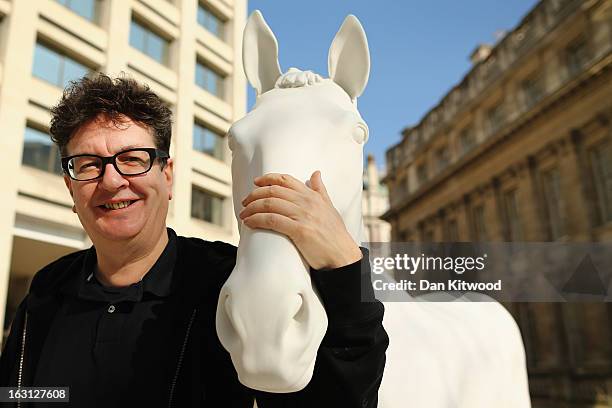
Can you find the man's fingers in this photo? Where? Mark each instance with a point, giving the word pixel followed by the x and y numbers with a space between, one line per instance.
pixel 316 182
pixel 271 205
pixel 284 180
pixel 274 222
pixel 273 190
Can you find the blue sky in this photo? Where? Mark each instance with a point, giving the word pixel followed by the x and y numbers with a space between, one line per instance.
pixel 418 50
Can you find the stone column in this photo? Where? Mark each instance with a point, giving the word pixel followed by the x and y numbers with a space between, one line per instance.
pixel 537 222
pixel 116 20
pixel 184 114
pixel 16 70
pixel 576 171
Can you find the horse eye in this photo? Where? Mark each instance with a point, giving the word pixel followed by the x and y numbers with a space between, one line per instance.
pixel 230 139
pixel 360 133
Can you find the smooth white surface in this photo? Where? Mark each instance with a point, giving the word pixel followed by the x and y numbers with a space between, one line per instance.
pixel 459 354
pixel 270 319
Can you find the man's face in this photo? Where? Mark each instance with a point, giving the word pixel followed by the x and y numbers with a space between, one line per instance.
pixel 148 194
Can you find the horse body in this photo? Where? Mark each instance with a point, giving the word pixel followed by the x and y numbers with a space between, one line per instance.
pixel 269 316
pixel 453 354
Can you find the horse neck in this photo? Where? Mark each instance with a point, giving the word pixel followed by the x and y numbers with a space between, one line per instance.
pixel 353 218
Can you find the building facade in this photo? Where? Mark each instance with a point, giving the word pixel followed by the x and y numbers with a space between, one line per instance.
pixel 375 203
pixel 521 150
pixel 187 51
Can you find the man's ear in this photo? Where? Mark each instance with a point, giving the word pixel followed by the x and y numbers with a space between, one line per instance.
pixel 68 182
pixel 169 176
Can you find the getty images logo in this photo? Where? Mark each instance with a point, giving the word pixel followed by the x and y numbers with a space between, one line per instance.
pixel 412 265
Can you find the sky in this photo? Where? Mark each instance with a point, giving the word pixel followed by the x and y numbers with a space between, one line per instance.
pixel 418 50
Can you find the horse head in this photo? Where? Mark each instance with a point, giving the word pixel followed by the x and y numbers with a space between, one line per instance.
pixel 269 316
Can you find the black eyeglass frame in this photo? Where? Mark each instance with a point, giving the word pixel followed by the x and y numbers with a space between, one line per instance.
pixel 153 154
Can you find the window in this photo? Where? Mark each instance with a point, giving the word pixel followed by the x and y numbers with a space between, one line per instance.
pixel 553 203
pixel 467 140
pixel 452 231
pixel 478 223
pixel 56 68
pixel 442 158
pixel 85 8
pixel 206 206
pixel 148 42
pixel 533 91
pixel 208 141
pixel 576 56
pixel 209 79
pixel 210 21
pixel 512 216
pixel 422 173
pixel 495 118
pixel 40 152
pixel 601 164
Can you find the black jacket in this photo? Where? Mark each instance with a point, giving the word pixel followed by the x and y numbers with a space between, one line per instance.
pixel 349 363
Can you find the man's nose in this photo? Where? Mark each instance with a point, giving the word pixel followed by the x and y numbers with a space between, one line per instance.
pixel 112 180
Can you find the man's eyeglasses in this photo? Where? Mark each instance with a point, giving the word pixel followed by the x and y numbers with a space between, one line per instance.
pixel 131 162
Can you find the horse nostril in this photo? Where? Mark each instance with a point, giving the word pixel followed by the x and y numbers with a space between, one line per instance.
pixel 298 309
pixel 226 306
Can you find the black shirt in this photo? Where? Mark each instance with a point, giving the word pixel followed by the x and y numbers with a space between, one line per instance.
pixel 154 343
pixel 95 334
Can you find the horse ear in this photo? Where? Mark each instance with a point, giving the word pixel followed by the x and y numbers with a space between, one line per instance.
pixel 348 62
pixel 260 54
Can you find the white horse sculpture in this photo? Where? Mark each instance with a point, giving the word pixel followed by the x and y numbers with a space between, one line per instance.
pixel 269 316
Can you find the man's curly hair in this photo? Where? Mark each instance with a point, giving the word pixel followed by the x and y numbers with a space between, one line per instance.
pixel 87 98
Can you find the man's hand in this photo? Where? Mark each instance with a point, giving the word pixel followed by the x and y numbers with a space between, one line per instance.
pixel 304 214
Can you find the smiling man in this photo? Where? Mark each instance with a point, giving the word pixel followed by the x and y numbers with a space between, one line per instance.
pixel 131 321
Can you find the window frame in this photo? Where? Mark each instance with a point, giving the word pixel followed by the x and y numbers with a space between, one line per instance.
pixel 96 10
pixel 553 202
pixel 54 157
pixel 219 140
pixel 194 211
pixel 62 81
pixel 149 31
pixel 209 14
pixel 601 180
pixel 220 79
pixel 512 214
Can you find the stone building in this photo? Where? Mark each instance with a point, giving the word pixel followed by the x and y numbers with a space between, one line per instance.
pixel 375 203
pixel 521 150
pixel 187 51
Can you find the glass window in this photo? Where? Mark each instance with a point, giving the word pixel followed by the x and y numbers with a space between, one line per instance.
pixel 576 56
pixel 210 21
pixel 495 118
pixel 208 141
pixel 601 164
pixel 209 79
pixel 452 231
pixel 442 158
pixel 206 206
pixel 533 91
pixel 478 223
pixel 512 216
pixel 149 43
pixel 85 8
pixel 422 173
pixel 467 140
pixel 56 68
pixel 40 152
pixel 553 201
